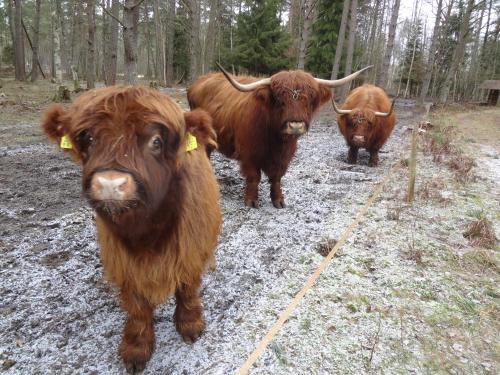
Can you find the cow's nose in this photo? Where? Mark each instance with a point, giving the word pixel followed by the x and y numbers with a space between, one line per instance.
pixel 112 185
pixel 296 127
pixel 358 139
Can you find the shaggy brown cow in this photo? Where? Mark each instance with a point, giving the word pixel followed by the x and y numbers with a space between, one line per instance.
pixel 156 200
pixel 260 123
pixel 366 121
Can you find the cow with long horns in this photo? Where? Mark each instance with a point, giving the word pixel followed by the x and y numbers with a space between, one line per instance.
pixel 260 122
pixel 366 121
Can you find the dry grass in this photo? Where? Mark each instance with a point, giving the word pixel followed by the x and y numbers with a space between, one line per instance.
pixel 431 188
pixel 480 233
pixel 462 166
pixel 325 246
pixel 442 144
pixel 438 142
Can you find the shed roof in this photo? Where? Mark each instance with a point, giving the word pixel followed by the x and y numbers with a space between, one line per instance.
pixel 490 84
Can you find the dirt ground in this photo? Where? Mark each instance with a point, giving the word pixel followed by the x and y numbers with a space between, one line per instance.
pixel 406 294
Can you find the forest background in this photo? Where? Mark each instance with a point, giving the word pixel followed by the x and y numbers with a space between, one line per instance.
pixel 438 49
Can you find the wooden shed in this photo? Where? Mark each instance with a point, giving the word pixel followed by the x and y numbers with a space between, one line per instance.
pixel 494 87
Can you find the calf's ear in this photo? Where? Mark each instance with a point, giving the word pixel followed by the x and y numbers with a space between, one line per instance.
pixel 199 123
pixel 53 124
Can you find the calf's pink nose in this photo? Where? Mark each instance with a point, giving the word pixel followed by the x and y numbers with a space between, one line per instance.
pixel 112 185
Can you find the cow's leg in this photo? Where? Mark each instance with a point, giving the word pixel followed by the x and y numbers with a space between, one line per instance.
pixel 352 156
pixel 138 335
pixel 373 162
pixel 276 194
pixel 188 315
pixel 252 175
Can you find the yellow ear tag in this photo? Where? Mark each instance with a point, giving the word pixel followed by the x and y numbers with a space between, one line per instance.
pixel 65 142
pixel 191 143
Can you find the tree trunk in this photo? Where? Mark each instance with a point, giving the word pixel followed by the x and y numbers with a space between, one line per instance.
pixel 194 40
pixel 382 78
pixel 487 27
pixel 169 43
pixel 10 18
pixel 112 47
pixel 130 38
pixel 211 37
pixel 20 71
pixel 149 73
pixel 62 39
pixel 373 36
pixel 36 39
pixel 350 46
pixel 294 26
pixel 74 45
pixel 458 53
pixel 105 39
pixel 91 66
pixel 432 51
pixel 57 49
pixel 309 12
pixel 160 45
pixel 340 40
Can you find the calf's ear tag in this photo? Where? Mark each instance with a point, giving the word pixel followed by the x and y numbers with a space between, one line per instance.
pixel 65 142
pixel 191 143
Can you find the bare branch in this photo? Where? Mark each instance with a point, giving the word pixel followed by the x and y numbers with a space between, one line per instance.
pixel 133 6
pixel 112 16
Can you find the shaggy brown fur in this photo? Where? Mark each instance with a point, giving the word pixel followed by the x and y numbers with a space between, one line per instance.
pixel 161 238
pixel 364 101
pixel 251 126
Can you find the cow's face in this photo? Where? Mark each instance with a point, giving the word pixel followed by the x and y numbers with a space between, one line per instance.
pixel 291 96
pixel 130 142
pixel 294 97
pixel 360 125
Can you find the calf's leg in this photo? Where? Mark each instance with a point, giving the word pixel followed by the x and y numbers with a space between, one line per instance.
pixel 138 335
pixel 252 175
pixel 188 315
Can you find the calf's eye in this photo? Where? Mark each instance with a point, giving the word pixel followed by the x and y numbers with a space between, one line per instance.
pixel 156 143
pixel 85 139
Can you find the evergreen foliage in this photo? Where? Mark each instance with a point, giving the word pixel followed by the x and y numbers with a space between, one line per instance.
pixel 321 49
pixel 261 42
pixel 181 42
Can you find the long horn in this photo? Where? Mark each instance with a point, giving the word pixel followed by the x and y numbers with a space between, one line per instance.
pixel 342 81
pixel 383 114
pixel 241 86
pixel 340 111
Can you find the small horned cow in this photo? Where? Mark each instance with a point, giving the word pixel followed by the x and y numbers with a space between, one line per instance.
pixel 146 174
pixel 259 124
pixel 366 121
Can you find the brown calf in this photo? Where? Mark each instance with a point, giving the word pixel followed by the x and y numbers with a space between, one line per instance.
pixel 156 202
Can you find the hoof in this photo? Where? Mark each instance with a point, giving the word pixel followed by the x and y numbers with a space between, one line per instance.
pixel 190 331
pixel 280 203
pixel 135 368
pixel 251 203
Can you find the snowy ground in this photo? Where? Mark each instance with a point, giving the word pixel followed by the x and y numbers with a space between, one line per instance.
pixel 60 317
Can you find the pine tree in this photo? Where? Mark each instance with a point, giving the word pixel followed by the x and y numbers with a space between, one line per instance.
pixel 261 42
pixel 324 36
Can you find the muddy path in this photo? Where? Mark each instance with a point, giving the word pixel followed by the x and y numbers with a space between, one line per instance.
pixel 60 317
